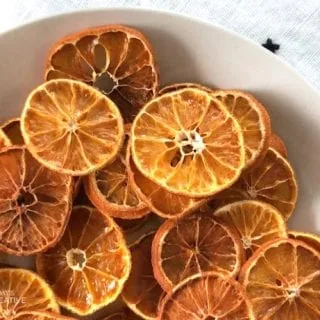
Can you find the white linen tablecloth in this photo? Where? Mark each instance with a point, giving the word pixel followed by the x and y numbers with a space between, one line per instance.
pixel 295 25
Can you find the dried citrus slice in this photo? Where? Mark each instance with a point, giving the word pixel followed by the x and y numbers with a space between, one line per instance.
pixel 37 315
pixel 12 130
pixel 128 226
pixel 182 85
pixel 110 190
pixel 277 144
pixel 188 143
pixel 35 203
pixel 4 140
pixel 194 244
pixel 162 202
pixel 22 290
pixel 116 59
pixel 206 297
pixel 89 266
pixel 310 239
pixel 257 222
pixel 282 281
pixel 272 181
pixel 142 292
pixel 70 127
pixel 125 314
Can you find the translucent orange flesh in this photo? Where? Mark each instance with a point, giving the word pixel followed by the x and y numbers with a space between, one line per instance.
pixel 4 141
pixel 310 239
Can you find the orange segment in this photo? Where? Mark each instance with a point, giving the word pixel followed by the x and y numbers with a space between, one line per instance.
pixel 206 297
pixel 310 239
pixel 142 292
pixel 256 222
pixel 4 140
pixel 21 291
pixel 70 127
pixel 182 85
pixel 110 190
pixel 272 181
pixel 35 203
pixel 194 244
pixel 36 315
pixel 12 130
pixel 188 143
pixel 116 59
pixel 282 281
pixel 277 144
pixel 89 266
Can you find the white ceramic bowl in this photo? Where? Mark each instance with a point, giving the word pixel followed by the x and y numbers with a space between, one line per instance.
pixel 188 50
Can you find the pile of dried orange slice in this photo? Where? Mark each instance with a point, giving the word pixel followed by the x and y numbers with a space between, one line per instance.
pixel 143 203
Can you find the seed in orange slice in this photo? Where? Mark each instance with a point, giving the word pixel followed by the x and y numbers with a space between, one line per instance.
pixel 257 222
pixel 142 292
pixel 70 127
pixel 162 202
pixel 278 144
pixel 194 244
pixel 206 297
pixel 116 59
pixel 310 239
pixel 125 314
pixel 110 190
pixel 188 143
pixel 22 290
pixel 281 280
pixel 4 140
pixel 37 315
pixel 272 181
pixel 12 130
pixel 89 266
pixel 35 203
pixel 182 85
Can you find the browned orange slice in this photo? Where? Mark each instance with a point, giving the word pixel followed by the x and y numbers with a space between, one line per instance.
pixel 206 297
pixel 142 292
pixel 35 203
pixel 277 144
pixel 89 266
pixel 182 85
pixel 194 244
pixel 188 143
pixel 310 239
pixel 21 291
pixel 272 181
pixel 4 140
pixel 12 130
pixel 128 226
pixel 70 127
pixel 116 59
pixel 282 279
pixel 257 222
pixel 36 315
pixel 125 314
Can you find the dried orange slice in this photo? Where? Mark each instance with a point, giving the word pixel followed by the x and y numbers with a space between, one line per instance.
pixel 282 281
pixel 37 315
pixel 35 203
pixel 12 130
pixel 125 314
pixel 194 244
pixel 206 297
pixel 257 222
pixel 188 143
pixel 162 202
pixel 4 140
pixel 128 226
pixel 116 59
pixel 70 127
pixel 110 190
pixel 277 144
pixel 182 85
pixel 22 290
pixel 310 239
pixel 89 266
pixel 272 181
pixel 142 292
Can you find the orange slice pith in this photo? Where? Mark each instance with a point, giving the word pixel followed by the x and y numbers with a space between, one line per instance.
pixel 116 59
pixel 21 291
pixel 162 202
pixel 89 266
pixel 209 296
pixel 282 281
pixel 272 181
pixel 310 239
pixel 188 143
pixel 110 190
pixel 36 315
pixel 4 140
pixel 182 85
pixel 191 245
pixel 142 292
pixel 35 203
pixel 256 222
pixel 70 127
pixel 278 144
pixel 12 130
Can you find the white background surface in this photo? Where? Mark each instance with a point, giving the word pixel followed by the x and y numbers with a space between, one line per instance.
pixel 295 25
